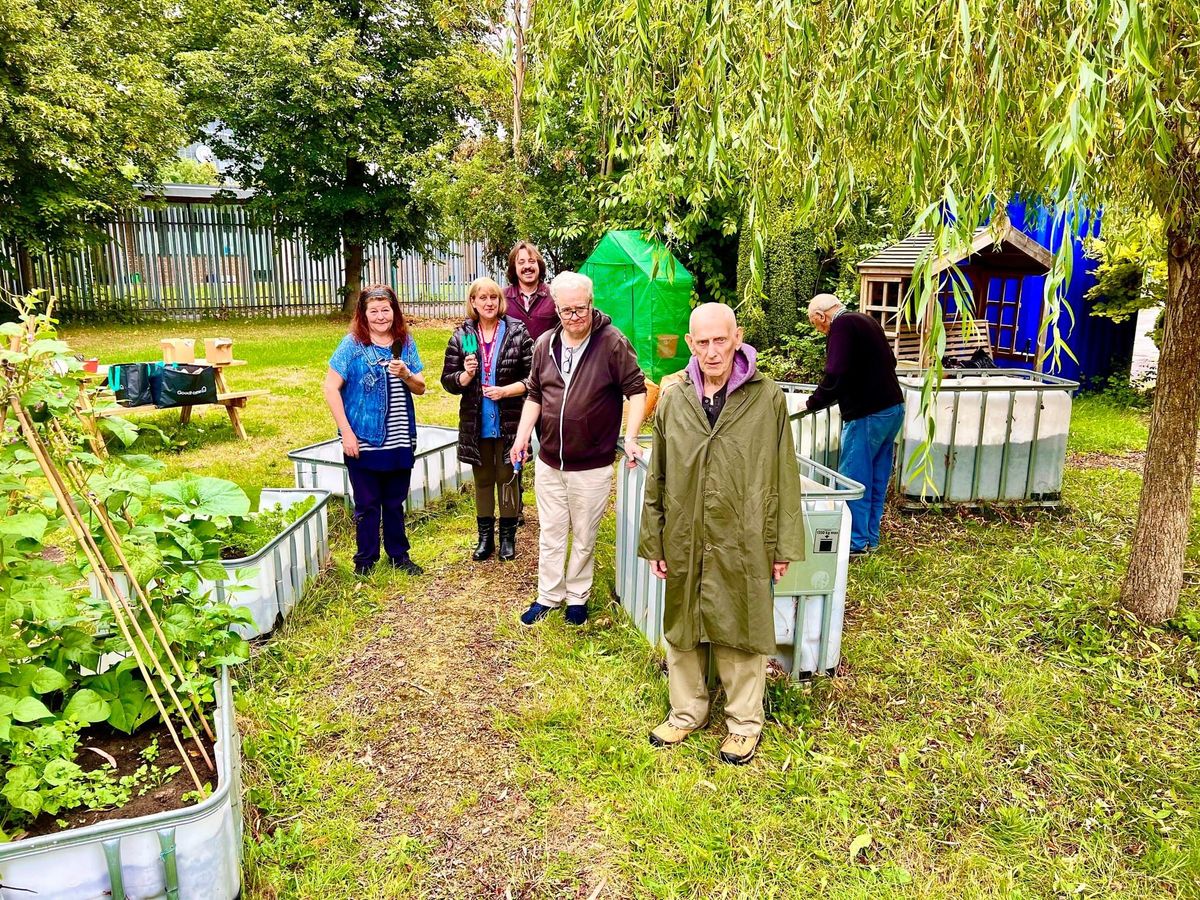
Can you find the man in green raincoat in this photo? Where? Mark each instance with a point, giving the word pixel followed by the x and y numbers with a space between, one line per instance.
pixel 721 521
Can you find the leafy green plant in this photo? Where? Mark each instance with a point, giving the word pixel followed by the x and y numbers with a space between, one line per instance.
pixel 57 642
pixel 247 535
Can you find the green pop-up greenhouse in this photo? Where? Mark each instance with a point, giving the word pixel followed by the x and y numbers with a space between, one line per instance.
pixel 648 294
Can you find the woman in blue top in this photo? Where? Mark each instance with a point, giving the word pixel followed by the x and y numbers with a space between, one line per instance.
pixel 373 375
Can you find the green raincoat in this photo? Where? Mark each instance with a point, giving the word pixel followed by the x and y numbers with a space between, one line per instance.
pixel 722 504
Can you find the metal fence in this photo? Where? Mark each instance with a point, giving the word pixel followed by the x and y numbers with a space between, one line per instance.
pixel 193 260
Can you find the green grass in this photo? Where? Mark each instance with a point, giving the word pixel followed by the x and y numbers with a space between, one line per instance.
pixel 289 357
pixel 1002 728
pixel 310 801
pixel 1003 731
pixel 1099 425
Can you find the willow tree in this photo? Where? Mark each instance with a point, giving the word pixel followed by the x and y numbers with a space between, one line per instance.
pixel 952 109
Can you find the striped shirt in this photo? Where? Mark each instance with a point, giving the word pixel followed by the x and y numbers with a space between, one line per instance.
pixel 400 432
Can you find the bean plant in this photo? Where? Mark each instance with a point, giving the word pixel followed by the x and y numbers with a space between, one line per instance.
pixel 64 664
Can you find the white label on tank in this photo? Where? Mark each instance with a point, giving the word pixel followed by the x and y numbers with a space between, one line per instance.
pixel 825 540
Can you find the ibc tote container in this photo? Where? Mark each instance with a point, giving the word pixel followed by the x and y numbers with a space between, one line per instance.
pixel 810 600
pixel 436 469
pixel 999 436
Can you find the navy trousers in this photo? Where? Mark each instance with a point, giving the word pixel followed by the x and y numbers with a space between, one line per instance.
pixel 379 496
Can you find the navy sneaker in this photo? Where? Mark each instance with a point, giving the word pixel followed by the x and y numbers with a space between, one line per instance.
pixel 535 613
pixel 577 615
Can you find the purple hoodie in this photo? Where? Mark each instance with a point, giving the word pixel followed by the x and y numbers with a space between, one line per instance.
pixel 744 366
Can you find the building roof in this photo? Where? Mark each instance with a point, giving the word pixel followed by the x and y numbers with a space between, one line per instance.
pixel 196 193
pixel 1010 251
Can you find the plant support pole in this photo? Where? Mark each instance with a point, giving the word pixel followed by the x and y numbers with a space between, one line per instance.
pixel 83 536
pixel 106 524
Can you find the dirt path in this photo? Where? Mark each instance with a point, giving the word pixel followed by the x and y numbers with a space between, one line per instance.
pixel 433 670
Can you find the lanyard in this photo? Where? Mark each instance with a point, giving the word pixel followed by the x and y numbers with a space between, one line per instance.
pixel 488 351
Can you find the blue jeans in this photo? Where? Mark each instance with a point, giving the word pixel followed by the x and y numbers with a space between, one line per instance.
pixel 868 446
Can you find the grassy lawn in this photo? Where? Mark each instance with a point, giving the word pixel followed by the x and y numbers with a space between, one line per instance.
pixel 1002 728
pixel 288 357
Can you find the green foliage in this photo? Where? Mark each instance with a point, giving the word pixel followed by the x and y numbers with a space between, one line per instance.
pixel 58 640
pixel 797 357
pixel 189 171
pixel 245 536
pixel 791 269
pixel 323 108
pixel 1131 274
pixel 1123 392
pixel 86 111
pixel 482 192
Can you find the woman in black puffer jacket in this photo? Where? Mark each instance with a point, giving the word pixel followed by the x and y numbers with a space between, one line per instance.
pixel 491 381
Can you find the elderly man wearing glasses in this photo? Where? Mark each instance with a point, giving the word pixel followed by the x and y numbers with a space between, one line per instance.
pixel 582 371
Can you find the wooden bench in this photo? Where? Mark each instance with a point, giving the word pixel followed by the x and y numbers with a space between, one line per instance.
pixel 958 345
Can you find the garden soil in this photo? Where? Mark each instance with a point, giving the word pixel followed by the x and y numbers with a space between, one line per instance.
pixel 125 751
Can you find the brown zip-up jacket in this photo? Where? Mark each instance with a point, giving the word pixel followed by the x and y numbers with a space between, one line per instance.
pixel 579 425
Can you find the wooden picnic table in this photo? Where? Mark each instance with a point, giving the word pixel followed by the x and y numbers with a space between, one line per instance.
pixel 233 401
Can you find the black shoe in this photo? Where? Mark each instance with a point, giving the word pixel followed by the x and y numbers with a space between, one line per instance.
pixel 407 566
pixel 521 520
pixel 508 539
pixel 487 538
pixel 362 570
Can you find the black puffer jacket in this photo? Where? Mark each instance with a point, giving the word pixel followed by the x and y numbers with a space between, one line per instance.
pixel 512 365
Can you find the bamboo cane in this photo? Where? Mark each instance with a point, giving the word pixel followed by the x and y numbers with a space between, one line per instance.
pixel 83 537
pixel 114 539
pixel 103 571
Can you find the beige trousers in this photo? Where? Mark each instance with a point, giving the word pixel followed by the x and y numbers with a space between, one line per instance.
pixel 743 675
pixel 570 504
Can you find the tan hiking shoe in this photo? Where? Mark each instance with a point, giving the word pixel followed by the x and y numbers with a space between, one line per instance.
pixel 738 749
pixel 667 735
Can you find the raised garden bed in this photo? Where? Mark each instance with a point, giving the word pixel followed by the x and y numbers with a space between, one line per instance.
pixel 269 581
pixel 194 851
pixel 810 600
pixel 436 471
pixel 999 436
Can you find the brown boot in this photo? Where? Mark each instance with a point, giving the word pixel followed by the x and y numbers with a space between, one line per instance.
pixel 738 749
pixel 667 735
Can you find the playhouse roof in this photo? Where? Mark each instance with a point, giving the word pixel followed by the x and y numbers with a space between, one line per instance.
pixel 1011 251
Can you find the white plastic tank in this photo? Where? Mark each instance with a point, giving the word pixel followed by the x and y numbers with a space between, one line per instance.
pixel 809 601
pixel 436 469
pixel 996 436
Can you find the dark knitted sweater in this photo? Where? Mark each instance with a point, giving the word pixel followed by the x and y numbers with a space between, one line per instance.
pixel 860 369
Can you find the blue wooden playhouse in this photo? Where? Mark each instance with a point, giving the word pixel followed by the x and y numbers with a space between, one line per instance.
pixel 1007 279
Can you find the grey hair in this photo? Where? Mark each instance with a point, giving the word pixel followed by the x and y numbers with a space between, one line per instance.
pixel 567 280
pixel 823 303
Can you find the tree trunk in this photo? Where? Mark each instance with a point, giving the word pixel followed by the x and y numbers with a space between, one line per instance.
pixel 522 19
pixel 25 268
pixel 1155 576
pixel 353 277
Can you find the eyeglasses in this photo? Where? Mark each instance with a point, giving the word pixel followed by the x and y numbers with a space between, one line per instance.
pixel 568 359
pixel 573 312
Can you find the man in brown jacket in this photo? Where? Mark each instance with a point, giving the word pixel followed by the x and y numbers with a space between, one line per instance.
pixel 582 372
